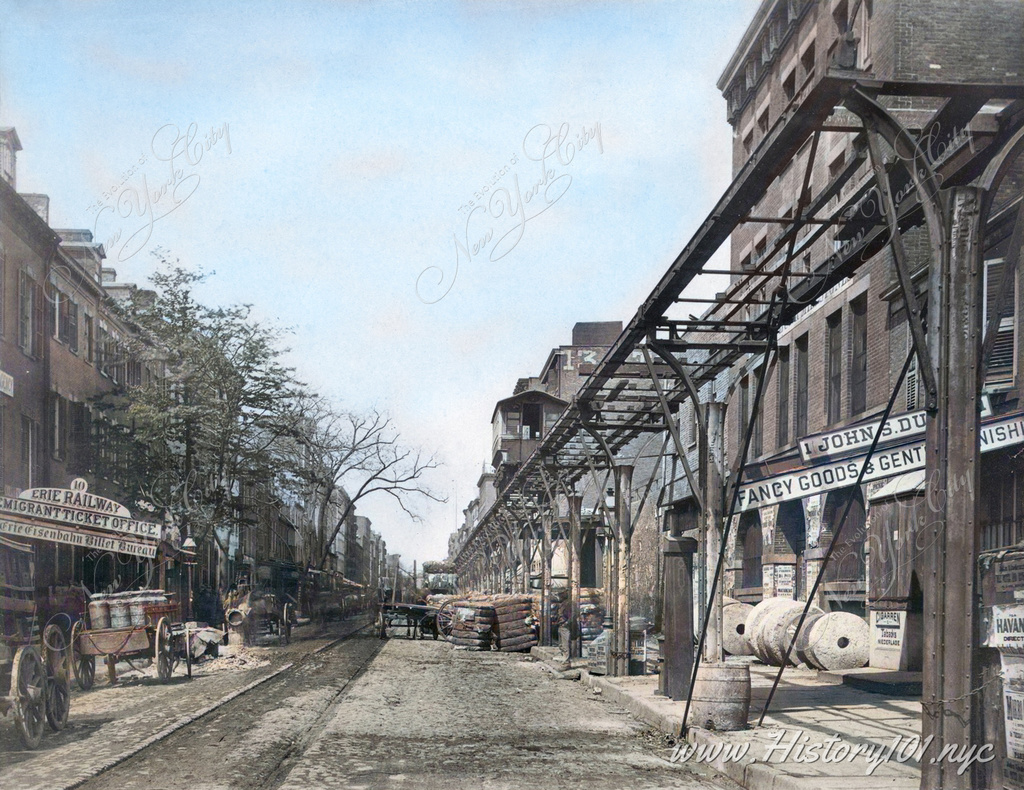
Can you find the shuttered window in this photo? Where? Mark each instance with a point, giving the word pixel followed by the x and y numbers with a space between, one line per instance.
pixel 1000 368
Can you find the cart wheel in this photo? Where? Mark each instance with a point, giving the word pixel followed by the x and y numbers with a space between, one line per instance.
pixel 163 650
pixel 28 683
pixel 286 623
pixel 57 658
pixel 445 619
pixel 83 665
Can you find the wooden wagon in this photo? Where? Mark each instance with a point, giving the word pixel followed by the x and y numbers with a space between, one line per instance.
pixel 154 634
pixel 34 666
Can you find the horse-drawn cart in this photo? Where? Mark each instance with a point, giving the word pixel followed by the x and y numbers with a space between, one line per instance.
pixel 34 672
pixel 418 619
pixel 127 626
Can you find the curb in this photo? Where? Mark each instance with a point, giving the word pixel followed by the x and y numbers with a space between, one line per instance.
pixel 184 721
pixel 747 772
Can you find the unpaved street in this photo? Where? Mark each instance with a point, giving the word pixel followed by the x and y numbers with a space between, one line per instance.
pixel 413 714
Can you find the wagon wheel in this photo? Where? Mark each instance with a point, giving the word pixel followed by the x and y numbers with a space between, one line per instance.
pixel 445 619
pixel 286 623
pixel 83 665
pixel 28 681
pixel 163 650
pixel 57 658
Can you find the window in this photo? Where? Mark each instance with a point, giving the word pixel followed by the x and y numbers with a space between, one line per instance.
pixel 911 377
pixel 762 121
pixel 26 311
pixel 1000 368
pixel 834 367
pixel 759 250
pixel 87 338
pixel 31 451
pixel 807 59
pixel 789 85
pixel 859 354
pixel 60 426
pixel 73 326
pixel 531 420
pixel 748 142
pixel 782 421
pixel 745 263
pixel 800 417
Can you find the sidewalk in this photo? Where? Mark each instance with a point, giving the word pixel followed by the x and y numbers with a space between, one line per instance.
pixel 809 739
pixel 108 724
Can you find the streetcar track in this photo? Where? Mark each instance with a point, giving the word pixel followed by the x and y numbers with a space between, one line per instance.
pixel 295 752
pixel 190 719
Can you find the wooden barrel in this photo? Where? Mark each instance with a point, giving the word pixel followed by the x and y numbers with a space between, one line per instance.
pixel 721 697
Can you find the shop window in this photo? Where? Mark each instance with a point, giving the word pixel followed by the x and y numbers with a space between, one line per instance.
pixel 859 354
pixel 834 367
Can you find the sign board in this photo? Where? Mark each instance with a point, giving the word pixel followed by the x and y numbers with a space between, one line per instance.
pixel 76 537
pixel 75 517
pixel 887 630
pixel 1013 715
pixel 893 461
pixel 7 384
pixel 860 437
pixel 1006 630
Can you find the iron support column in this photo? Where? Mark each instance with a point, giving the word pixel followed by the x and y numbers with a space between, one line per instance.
pixel 952 449
pixel 712 455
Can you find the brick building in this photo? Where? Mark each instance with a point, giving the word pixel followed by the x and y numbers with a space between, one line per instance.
pixel 839 360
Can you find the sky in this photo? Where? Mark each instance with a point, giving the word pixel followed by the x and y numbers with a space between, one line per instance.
pixel 427 195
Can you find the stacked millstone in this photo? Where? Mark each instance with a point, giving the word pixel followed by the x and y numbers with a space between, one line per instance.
pixel 473 625
pixel 515 624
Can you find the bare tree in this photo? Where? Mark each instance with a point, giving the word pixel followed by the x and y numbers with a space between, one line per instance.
pixel 345 457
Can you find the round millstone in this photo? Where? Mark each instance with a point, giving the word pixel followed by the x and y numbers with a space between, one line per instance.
pixel 838 640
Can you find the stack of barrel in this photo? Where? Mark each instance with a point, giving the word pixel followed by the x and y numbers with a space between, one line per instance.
pixel 473 625
pixel 514 627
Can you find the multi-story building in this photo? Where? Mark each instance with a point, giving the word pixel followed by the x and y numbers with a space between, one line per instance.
pixel 839 360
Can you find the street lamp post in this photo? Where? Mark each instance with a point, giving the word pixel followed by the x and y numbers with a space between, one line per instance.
pixel 188 548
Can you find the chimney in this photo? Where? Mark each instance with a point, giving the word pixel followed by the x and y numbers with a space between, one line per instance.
pixel 9 147
pixel 40 205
